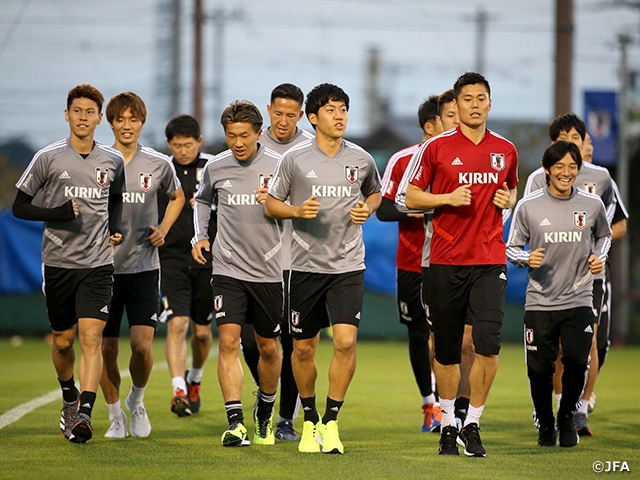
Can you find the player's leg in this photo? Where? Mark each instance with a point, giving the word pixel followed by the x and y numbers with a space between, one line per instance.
pixel 250 350
pixel 468 357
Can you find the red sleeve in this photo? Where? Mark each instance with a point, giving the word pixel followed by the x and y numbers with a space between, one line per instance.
pixel 512 176
pixel 421 176
pixel 396 177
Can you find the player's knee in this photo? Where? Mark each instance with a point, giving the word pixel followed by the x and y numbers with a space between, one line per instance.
pixel 269 348
pixel 228 344
pixel 62 343
pixel 344 345
pixel 304 350
pixel 109 348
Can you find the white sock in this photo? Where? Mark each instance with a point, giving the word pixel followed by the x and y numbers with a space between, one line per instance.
pixel 429 399
pixel 178 383
pixel 473 415
pixel 115 410
pixel 136 396
pixel 194 375
pixel 448 412
pixel 558 398
pixel 583 406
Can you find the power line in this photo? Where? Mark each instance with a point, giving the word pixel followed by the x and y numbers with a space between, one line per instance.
pixel 14 26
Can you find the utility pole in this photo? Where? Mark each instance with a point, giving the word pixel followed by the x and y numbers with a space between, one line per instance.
pixel 374 100
pixel 481 19
pixel 564 56
pixel 174 75
pixel 198 91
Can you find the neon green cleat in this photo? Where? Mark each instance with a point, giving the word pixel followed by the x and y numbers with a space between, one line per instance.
pixel 308 442
pixel 264 431
pixel 236 436
pixel 330 438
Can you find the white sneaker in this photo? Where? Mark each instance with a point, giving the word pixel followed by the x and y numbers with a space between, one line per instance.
pixel 118 428
pixel 140 425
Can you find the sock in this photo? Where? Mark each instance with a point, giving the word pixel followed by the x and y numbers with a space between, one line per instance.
pixel 265 405
pixel 194 375
pixel 448 408
pixel 474 415
pixel 558 400
pixel 332 410
pixel 136 395
pixel 69 390
pixel 178 383
pixel 114 410
pixel 309 409
pixel 429 399
pixel 461 407
pixel 584 406
pixel 87 399
pixel 234 412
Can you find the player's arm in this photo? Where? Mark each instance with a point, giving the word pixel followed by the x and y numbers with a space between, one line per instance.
pixel 171 214
pixel 365 209
pixel 23 208
pixel 618 230
pixel 505 198
pixel 115 218
pixel 280 210
pixel 387 212
pixel 602 243
pixel 518 238
pixel 418 199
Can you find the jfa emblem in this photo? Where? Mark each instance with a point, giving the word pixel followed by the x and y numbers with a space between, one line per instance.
pixel 145 181
pixel 590 187
pixel 404 308
pixel 295 317
pixel 497 161
pixel 580 219
pixel 217 302
pixel 264 179
pixel 102 176
pixel 351 173
pixel 529 335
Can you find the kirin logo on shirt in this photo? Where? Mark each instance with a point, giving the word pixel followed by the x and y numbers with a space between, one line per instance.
pixel 145 181
pixel 590 187
pixel 497 161
pixel 351 173
pixel 264 179
pixel 580 219
pixel 102 176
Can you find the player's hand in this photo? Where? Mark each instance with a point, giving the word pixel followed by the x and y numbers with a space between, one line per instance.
pixel 360 213
pixel 261 195
pixel 595 264
pixel 76 210
pixel 192 202
pixel 116 239
pixel 535 258
pixel 196 251
pixel 461 196
pixel 415 215
pixel 157 236
pixel 502 198
pixel 308 209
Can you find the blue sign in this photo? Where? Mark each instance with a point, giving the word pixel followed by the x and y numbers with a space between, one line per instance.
pixel 601 117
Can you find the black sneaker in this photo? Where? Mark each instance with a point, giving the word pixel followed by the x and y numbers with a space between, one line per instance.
pixel 582 427
pixel 284 431
pixel 81 431
pixel 193 394
pixel 448 444
pixel 547 436
pixel 567 428
pixel 469 438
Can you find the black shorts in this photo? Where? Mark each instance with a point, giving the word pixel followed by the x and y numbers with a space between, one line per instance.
pixel 425 298
pixel 458 292
pixel 139 293
pixel 319 299
pixel 73 293
pixel 409 298
pixel 599 296
pixel 186 292
pixel 545 330
pixel 259 304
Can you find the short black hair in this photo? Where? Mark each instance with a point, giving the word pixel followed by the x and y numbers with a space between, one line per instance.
pixel 242 111
pixel 443 99
pixel 564 123
pixel 288 91
pixel 182 126
pixel 470 78
pixel 322 94
pixel 557 151
pixel 428 110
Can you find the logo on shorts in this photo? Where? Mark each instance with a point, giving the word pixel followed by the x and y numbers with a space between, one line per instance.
pixel 580 219
pixel 295 317
pixel 589 329
pixel 358 315
pixel 528 335
pixel 404 308
pixel 264 179
pixel 102 176
pixel 497 161
pixel 351 173
pixel 105 309
pixel 217 302
pixel 590 187
pixel 145 181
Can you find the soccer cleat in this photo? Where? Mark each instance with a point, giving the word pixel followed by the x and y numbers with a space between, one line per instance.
pixel 592 402
pixel 469 438
pixel 140 426
pixel 264 431
pixel 448 438
pixel 432 417
pixel 67 417
pixel 118 427
pixel 284 431
pixel 582 428
pixel 236 436
pixel 547 436
pixel 567 428
pixel 308 441
pixel 81 431
pixel 180 404
pixel 329 438
pixel 193 394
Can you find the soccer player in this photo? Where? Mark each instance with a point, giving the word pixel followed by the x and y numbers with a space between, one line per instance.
pixel 568 234
pixel 247 266
pixel 82 183
pixel 284 111
pixel 137 264
pixel 185 284
pixel 333 186
pixel 472 176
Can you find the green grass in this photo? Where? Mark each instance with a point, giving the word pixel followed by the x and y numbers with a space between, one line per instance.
pixel 380 427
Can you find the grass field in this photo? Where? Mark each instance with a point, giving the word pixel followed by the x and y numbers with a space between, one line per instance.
pixel 380 427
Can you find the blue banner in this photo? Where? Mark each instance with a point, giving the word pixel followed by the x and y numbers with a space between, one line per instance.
pixel 20 255
pixel 601 117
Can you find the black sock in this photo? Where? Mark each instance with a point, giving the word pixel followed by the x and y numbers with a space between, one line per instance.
pixel 234 412
pixel 265 405
pixel 461 408
pixel 69 390
pixel 309 408
pixel 87 399
pixel 331 413
pixel 541 394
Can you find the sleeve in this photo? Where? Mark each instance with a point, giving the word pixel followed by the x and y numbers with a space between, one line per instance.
pixel 422 173
pixel 621 211
pixel 35 176
pixel 387 212
pixel 536 181
pixel 518 238
pixel 115 213
pixel 404 183
pixel 391 179
pixel 119 183
pixel 204 198
pixel 24 209
pixel 170 182
pixel 512 176
pixel 280 184
pixel 601 235
pixel 371 183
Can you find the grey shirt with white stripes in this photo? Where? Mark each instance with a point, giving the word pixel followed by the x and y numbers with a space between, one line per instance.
pixel 63 175
pixel 248 244
pixel 570 230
